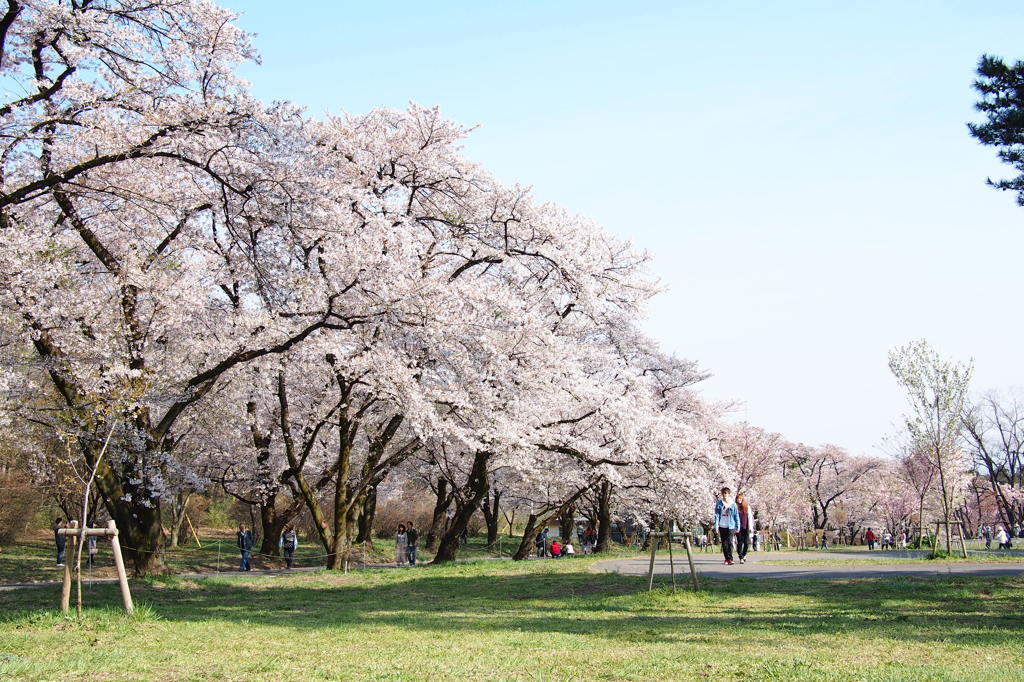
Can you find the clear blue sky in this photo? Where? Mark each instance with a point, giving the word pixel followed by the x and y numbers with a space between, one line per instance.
pixel 801 171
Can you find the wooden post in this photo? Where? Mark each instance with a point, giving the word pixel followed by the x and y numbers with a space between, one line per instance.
pixel 650 571
pixel 65 591
pixel 193 531
pixel 963 544
pixel 122 578
pixel 671 562
pixel 689 558
pixel 79 542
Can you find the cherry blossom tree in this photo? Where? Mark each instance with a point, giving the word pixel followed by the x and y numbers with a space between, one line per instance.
pixel 828 473
pixel 937 392
pixel 295 308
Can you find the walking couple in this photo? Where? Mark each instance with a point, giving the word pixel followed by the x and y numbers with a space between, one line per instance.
pixel 734 519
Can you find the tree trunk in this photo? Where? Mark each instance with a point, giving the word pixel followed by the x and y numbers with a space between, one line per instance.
pixel 567 524
pixel 178 516
pixel 271 526
pixel 141 536
pixel 604 518
pixel 945 504
pixel 366 515
pixel 529 541
pixel 537 522
pixel 444 500
pixel 140 526
pixel 491 511
pixel 475 490
pixel 656 523
pixel 510 520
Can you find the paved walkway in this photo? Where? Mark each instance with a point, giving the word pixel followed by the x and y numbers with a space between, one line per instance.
pixel 761 565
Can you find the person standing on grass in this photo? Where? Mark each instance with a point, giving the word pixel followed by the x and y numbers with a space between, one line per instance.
pixel 90 545
pixel 244 538
pixel 727 520
pixel 588 539
pixel 289 543
pixel 59 540
pixel 401 545
pixel 413 537
pixel 870 538
pixel 746 526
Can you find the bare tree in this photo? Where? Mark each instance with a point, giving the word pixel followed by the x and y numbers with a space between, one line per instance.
pixel 994 433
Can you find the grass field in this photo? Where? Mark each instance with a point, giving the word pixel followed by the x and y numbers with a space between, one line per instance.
pixel 520 620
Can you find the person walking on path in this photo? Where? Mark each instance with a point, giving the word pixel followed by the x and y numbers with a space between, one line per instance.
pixel 413 537
pixel 727 520
pixel 870 538
pixel 244 538
pixel 289 543
pixel 401 545
pixel 59 540
pixel 746 527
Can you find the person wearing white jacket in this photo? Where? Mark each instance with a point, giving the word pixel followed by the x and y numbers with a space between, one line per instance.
pixel 1003 539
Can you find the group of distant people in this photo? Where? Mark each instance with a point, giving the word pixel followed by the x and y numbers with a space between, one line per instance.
pixel 406 542
pixel 1003 538
pixel 556 549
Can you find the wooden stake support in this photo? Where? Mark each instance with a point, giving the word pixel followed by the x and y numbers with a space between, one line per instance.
pixel 194 534
pixel 74 535
pixel 689 557
pixel 960 536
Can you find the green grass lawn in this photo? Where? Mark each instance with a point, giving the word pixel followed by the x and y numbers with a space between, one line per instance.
pixel 520 620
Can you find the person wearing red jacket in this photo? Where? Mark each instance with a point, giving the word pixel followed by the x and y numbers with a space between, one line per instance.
pixel 556 549
pixel 870 538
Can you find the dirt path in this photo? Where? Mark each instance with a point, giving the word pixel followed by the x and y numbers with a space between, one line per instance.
pixel 763 565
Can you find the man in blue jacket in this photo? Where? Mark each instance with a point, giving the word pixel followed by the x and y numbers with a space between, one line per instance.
pixel 727 520
pixel 244 546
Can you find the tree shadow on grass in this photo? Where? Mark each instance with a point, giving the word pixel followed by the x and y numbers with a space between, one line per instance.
pixel 971 610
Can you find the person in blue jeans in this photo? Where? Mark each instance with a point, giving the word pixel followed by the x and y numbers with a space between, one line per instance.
pixel 413 538
pixel 60 540
pixel 727 520
pixel 244 546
